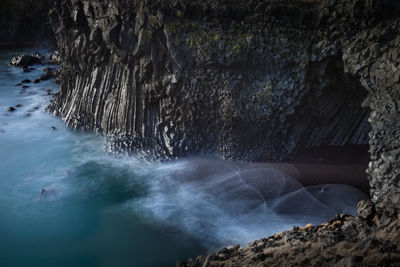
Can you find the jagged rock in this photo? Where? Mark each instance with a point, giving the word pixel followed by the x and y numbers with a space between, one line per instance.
pixel 329 244
pixel 55 57
pixel 365 208
pixel 256 80
pixel 25 61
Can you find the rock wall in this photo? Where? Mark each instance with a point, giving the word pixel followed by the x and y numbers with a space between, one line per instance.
pixel 253 80
pixel 25 23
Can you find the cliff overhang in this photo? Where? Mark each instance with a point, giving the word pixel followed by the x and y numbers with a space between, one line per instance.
pixel 256 80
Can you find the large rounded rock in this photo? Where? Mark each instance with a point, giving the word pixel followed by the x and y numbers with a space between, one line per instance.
pixel 25 61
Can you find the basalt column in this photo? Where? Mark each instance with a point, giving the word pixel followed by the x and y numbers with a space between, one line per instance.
pixel 251 80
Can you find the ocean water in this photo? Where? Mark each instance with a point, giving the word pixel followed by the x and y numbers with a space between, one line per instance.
pixel 65 202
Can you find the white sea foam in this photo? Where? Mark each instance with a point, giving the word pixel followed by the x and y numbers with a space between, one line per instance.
pixel 210 200
pixel 223 202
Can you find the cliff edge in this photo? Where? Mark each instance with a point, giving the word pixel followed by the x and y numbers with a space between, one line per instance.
pixel 252 80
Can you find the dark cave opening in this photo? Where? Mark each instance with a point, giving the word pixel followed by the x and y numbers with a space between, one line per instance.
pixel 334 165
pixel 334 144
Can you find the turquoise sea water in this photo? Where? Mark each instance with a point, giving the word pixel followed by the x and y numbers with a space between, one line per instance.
pixel 102 210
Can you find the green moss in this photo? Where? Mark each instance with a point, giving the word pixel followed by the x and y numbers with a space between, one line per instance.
pixel 201 36
pixel 170 27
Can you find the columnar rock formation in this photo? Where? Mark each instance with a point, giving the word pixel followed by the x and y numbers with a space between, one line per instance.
pixel 253 80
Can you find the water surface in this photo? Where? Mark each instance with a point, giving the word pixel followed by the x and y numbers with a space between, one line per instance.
pixel 101 210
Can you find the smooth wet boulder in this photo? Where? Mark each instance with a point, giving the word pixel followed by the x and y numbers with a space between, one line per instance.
pixel 48 192
pixel 25 61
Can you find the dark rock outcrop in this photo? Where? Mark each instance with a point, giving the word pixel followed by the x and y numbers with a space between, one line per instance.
pixel 25 61
pixel 253 80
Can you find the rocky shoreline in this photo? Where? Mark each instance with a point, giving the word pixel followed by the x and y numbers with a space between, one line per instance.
pixel 251 80
pixel 371 239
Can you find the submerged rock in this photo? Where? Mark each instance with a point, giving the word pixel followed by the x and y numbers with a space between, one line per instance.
pixel 49 74
pixel 43 191
pixel 27 69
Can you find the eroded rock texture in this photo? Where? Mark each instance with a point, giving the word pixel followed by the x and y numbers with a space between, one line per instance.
pixel 253 80
pixel 371 239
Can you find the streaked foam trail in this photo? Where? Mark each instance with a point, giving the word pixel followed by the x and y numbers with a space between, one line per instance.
pixel 223 202
pixel 112 206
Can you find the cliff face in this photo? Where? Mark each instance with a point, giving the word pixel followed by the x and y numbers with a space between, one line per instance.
pixel 25 23
pixel 253 80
